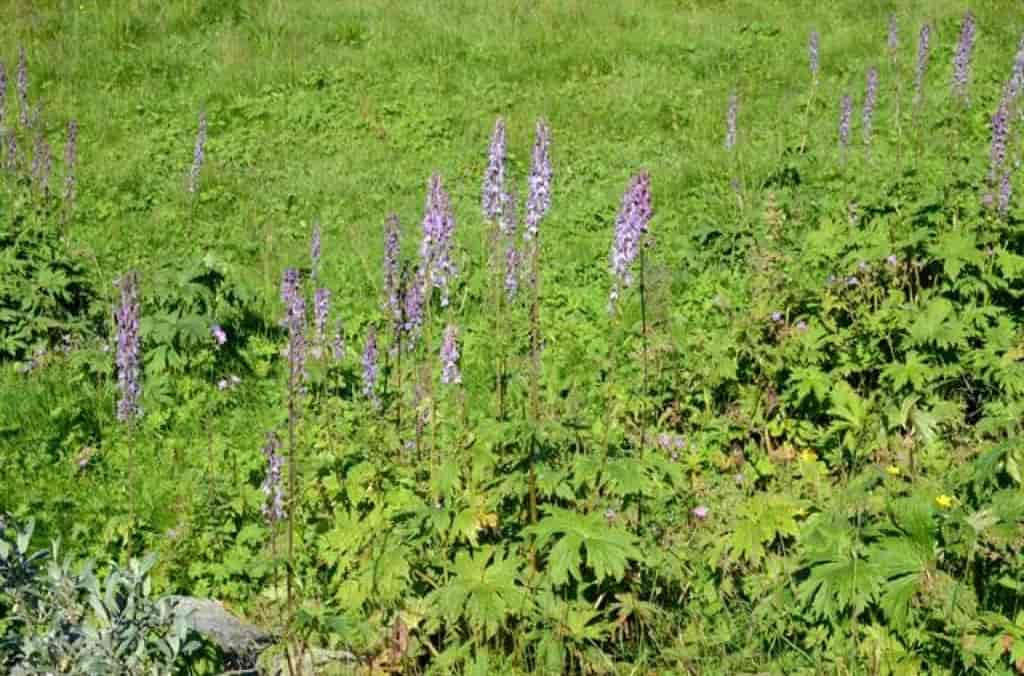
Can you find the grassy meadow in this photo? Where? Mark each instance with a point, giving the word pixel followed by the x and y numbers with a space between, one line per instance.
pixel 791 446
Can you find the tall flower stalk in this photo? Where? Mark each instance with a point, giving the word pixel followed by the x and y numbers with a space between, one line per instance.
pixel 962 59
pixel 813 60
pixel 23 88
pixel 868 111
pixel 70 166
pixel 129 370
pixel 198 155
pixel 370 370
pixel 845 116
pixel 295 319
pixel 436 245
pixel 924 49
pixel 315 250
pixel 3 96
pixel 631 224
pixel 538 203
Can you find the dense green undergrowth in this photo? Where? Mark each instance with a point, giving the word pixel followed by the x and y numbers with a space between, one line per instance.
pixel 795 447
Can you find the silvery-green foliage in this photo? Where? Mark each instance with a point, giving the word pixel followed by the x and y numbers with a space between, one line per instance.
pixel 59 617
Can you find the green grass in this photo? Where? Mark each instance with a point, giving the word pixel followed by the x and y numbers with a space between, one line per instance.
pixel 340 111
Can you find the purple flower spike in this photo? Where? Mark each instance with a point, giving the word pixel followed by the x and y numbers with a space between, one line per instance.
pixel 338 342
pixel 198 154
pixel 128 359
pixel 962 58
pixel 12 151
pixel 700 512
pixel 870 98
pixel 23 87
pixel 730 122
pixel 845 113
pixel 370 365
pixel 321 307
pixel 295 320
pixel 893 40
pixel 450 356
pixel 436 246
pixel 70 163
pixel 812 53
pixel 1005 192
pixel 391 272
pixel 413 306
pixel 924 50
pixel 539 200
pixel 494 179
pixel 3 92
pixel 273 509
pixel 219 335
pixel 630 227
pixel 511 271
pixel 314 249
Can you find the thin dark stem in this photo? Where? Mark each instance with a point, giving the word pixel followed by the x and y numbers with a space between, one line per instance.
pixel 292 499
pixel 535 375
pixel 643 329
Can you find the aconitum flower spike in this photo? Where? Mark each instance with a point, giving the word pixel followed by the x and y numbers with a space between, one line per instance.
pixel 845 113
pixel 23 87
pixel 813 53
pixel 630 227
pixel 70 163
pixel 494 178
pixel 391 272
pixel 512 261
pixel 893 40
pixel 321 306
pixel 730 122
pixel 338 342
pixel 450 356
pixel 273 508
pixel 295 320
pixel 436 245
pixel 962 58
pixel 870 98
pixel 413 302
pixel 129 377
pixel 314 249
pixel 3 93
pixel 370 365
pixel 12 151
pixel 198 155
pixel 1005 192
pixel 539 200
pixel 924 49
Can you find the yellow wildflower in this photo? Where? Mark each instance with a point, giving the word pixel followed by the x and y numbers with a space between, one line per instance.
pixel 893 470
pixel 807 455
pixel 944 501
